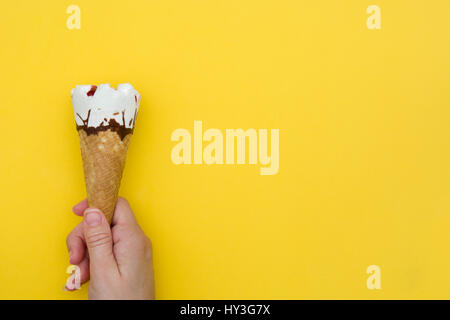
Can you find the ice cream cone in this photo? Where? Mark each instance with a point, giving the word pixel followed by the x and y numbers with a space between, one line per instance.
pixel 103 157
pixel 105 135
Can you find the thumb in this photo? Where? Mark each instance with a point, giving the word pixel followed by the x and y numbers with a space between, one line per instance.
pixel 97 235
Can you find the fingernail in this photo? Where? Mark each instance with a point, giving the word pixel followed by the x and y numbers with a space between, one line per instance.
pixel 92 217
pixel 70 254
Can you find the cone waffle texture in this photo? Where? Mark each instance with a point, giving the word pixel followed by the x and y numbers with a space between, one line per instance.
pixel 103 157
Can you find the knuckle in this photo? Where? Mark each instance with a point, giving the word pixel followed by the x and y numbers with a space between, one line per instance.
pixel 69 239
pixel 139 241
pixel 142 243
pixel 98 239
pixel 148 249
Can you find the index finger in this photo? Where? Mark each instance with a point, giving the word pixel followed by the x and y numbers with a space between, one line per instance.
pixel 123 215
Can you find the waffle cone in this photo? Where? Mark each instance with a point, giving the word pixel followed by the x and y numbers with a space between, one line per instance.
pixel 103 157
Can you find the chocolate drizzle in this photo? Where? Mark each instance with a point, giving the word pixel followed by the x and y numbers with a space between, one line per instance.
pixel 106 125
pixel 91 92
pixel 134 117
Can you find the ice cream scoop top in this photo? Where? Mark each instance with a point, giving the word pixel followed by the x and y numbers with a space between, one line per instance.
pixel 99 106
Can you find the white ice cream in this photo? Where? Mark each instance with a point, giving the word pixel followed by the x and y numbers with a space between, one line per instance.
pixel 106 103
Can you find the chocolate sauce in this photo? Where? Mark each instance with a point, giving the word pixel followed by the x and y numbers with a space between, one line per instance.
pixel 85 122
pixel 111 125
pixel 91 92
pixel 134 117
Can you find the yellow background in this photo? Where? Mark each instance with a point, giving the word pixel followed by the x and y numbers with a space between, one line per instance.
pixel 364 143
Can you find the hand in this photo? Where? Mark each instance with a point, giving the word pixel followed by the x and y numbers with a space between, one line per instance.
pixel 117 259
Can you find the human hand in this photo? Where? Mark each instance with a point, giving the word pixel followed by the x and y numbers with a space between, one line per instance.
pixel 117 259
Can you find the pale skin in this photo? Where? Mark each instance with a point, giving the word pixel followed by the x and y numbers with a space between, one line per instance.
pixel 116 259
